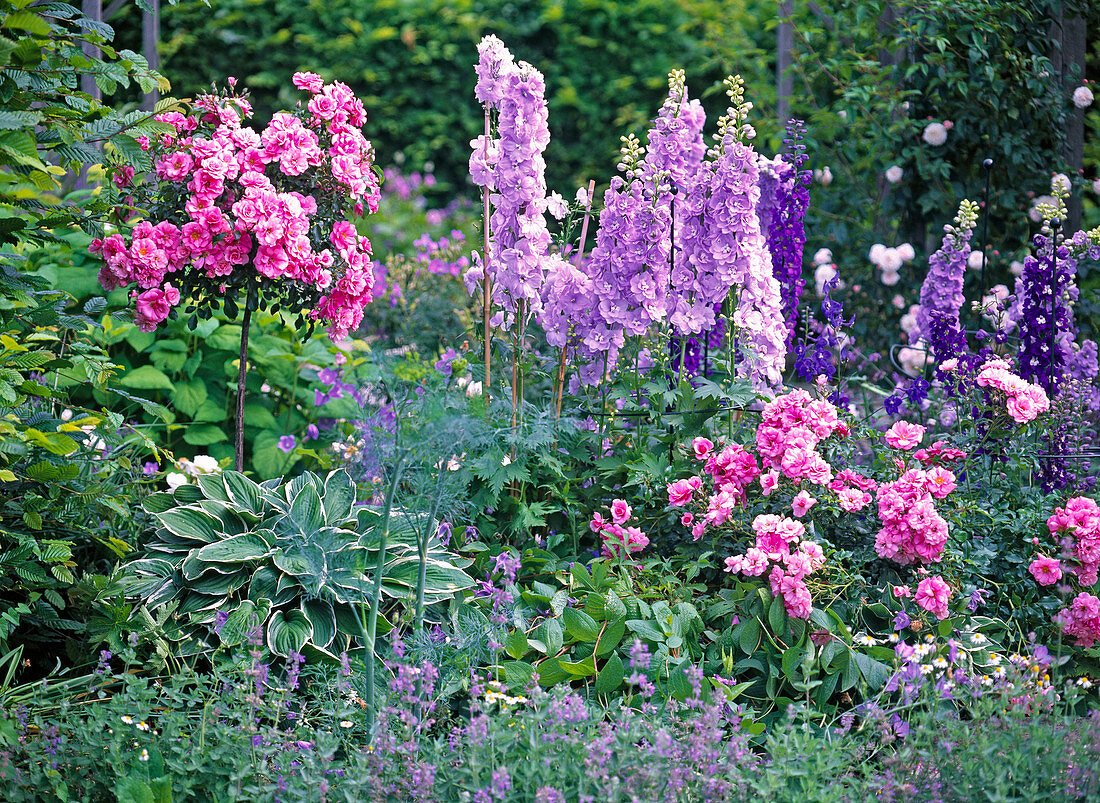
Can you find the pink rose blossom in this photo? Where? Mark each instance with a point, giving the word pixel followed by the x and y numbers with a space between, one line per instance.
pixel 802 503
pixel 904 435
pixel 932 595
pixel 620 511
pixel 1046 571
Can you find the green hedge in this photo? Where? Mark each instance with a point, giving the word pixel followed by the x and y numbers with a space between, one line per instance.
pixel 412 61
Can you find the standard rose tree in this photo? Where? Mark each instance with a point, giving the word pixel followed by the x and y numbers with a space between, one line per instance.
pixel 232 211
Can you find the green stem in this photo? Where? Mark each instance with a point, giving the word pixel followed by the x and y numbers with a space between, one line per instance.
pixel 245 322
pixel 376 593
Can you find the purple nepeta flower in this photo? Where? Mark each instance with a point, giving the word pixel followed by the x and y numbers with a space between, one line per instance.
pixel 328 376
pixel 149 468
pixel 287 443
pixel 220 619
pixel 312 433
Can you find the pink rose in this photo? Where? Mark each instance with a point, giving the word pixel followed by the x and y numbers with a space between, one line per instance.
pixel 802 503
pixel 1046 571
pixel 620 511
pixel 309 81
pixel 702 448
pixel 903 435
pixel 679 493
pixel 769 481
pixel 932 595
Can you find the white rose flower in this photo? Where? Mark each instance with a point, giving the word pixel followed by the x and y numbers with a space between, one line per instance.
pixel 205 464
pixel 1016 268
pixel 1096 186
pixel 1082 97
pixel 876 253
pixel 824 176
pixel 894 174
pixel 906 252
pixel 935 134
pixel 891 260
pixel 175 480
pixel 890 277
pixel 823 256
pixel 974 261
pixel 898 301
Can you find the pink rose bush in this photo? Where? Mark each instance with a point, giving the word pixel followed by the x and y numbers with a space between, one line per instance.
pixel 933 594
pixel 232 208
pixel 1024 401
pixel 783 552
pixel 913 531
pixel 618 540
pixel 1077 525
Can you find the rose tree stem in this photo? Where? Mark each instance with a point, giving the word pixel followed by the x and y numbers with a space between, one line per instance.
pixel 240 385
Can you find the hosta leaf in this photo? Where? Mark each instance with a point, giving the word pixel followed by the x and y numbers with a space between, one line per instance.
pixel 193 603
pixel 243 492
pixel 349 622
pixel 240 622
pixel 322 619
pixel 212 487
pixel 339 497
pixel 288 632
pixel 264 583
pixel 237 549
pixel 191 523
pixel 306 560
pixel 217 583
pixel 305 511
pixel 158 502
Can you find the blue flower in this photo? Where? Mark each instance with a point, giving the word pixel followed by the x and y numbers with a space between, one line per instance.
pixel 287 443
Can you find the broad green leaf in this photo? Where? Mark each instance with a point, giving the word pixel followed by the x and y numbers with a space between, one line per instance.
pixel 322 619
pixel 205 434
pixel 610 678
pixel 749 639
pixel 243 491
pixel 516 644
pixel 305 511
pixel 237 549
pixel 240 623
pixel 188 396
pixel 191 523
pixel 288 632
pixel 646 630
pixel 579 625
pixel 611 638
pixel 147 378
pixel 339 498
pixel 580 669
pixel 517 674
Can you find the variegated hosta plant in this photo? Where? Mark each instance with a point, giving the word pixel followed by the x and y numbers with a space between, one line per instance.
pixel 295 558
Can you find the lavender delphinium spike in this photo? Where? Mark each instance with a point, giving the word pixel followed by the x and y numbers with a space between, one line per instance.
pixel 942 291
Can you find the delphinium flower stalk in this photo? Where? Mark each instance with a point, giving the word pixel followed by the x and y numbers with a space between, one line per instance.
pixel 942 291
pixel 511 167
pixel 786 226
pixel 741 248
pixel 567 290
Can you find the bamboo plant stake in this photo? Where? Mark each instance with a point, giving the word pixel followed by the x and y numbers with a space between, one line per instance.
pixel 560 384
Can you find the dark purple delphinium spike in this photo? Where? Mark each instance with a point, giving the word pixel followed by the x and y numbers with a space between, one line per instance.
pixel 786 230
pixel 812 361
